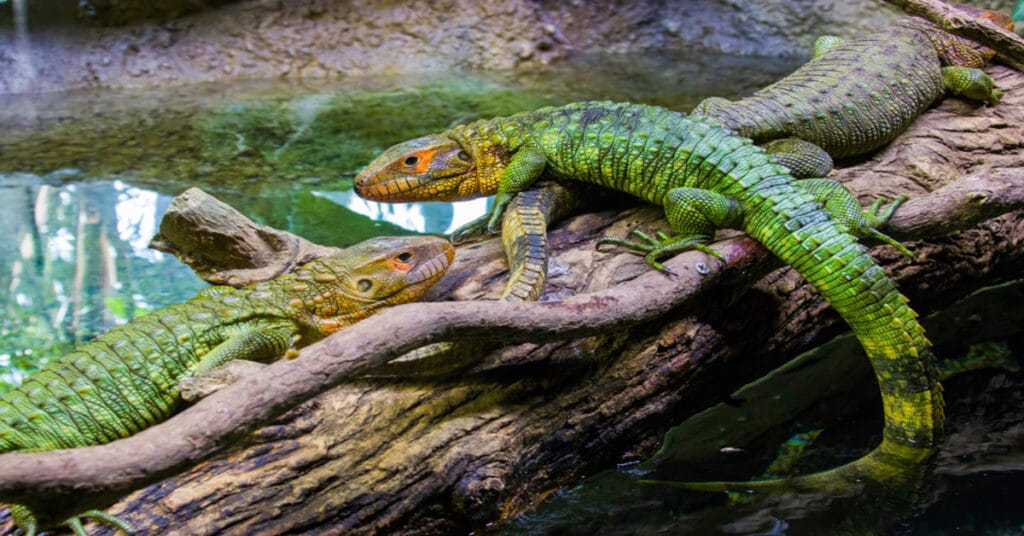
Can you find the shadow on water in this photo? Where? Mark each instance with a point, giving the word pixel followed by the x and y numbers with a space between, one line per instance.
pixel 966 490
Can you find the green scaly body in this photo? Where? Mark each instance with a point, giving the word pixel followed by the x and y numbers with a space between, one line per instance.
pixel 127 379
pixel 851 98
pixel 856 96
pixel 705 177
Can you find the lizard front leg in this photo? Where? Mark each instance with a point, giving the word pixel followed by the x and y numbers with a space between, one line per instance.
pixel 256 341
pixel 694 214
pixel 525 167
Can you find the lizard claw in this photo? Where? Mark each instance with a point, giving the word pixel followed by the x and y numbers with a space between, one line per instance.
pixel 660 246
pixel 651 259
pixel 877 215
pixel 475 229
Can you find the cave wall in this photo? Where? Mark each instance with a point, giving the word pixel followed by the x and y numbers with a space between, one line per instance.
pixel 48 45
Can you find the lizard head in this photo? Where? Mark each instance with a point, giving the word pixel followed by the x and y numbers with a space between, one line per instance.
pixel 959 51
pixel 353 284
pixel 431 168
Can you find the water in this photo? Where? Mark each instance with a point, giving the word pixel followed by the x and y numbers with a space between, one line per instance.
pixel 86 176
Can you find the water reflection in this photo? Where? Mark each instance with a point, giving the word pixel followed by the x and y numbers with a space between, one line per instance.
pixel 435 218
pixel 74 262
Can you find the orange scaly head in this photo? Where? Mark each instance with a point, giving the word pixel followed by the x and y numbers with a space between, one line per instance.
pixel 331 293
pixel 962 52
pixel 431 168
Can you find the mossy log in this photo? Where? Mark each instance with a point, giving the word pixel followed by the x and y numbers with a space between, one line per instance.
pixel 421 456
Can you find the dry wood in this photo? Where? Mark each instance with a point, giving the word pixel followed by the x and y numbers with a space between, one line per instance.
pixel 231 249
pixel 429 456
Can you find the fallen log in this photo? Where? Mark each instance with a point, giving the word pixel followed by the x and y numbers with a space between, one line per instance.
pixel 306 446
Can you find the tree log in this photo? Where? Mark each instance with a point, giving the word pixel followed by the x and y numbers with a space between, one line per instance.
pixel 635 352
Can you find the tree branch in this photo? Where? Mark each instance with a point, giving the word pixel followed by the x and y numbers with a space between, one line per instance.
pixel 232 249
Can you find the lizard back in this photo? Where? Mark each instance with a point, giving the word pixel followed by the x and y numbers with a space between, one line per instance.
pixel 855 98
pixel 649 152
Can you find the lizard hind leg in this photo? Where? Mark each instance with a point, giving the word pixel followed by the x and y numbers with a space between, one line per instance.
pixel 25 520
pixel 694 214
pixel 845 209
pixel 971 83
pixel 111 520
pixel 803 158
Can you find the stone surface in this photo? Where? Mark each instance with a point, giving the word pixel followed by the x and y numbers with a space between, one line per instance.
pixel 48 45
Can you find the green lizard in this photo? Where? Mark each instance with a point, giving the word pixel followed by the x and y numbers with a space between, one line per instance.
pixel 705 177
pixel 853 97
pixel 128 378
pixel 850 99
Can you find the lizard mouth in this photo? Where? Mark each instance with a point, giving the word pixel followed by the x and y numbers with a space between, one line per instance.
pixel 410 188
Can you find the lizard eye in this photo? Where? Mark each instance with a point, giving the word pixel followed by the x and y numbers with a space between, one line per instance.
pixel 404 256
pixel 463 155
pixel 411 161
pixel 364 285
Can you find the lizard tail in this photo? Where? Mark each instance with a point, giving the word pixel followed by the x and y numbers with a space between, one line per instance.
pixel 794 228
pixel 890 463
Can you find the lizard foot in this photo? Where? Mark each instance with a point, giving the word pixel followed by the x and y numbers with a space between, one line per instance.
pixel 476 229
pixel 877 215
pixel 25 520
pixel 660 246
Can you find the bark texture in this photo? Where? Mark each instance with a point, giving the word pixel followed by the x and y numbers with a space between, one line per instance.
pixel 434 456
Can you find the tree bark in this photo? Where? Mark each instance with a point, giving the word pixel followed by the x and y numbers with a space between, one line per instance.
pixel 422 456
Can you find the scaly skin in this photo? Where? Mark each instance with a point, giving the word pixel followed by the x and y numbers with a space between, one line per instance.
pixel 775 114
pixel 127 379
pixel 705 177
pixel 856 96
